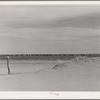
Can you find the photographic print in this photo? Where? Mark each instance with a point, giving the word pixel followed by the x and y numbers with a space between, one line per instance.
pixel 50 47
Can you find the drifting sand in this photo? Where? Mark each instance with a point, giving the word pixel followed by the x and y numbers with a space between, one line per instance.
pixel 74 75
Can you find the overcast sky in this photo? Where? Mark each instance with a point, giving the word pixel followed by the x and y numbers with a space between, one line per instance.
pixel 49 29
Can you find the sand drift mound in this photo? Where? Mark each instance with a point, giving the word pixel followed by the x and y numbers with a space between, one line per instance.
pixel 77 74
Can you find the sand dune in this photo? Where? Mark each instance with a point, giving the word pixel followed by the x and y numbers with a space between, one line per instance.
pixel 82 74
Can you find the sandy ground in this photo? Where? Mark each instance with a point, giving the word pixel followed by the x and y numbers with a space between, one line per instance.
pixel 44 76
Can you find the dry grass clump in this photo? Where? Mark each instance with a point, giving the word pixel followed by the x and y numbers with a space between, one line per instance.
pixel 77 59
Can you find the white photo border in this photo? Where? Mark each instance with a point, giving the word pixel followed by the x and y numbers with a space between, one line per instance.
pixel 49 94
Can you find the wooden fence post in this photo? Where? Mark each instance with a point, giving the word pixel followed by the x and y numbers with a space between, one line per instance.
pixel 8 65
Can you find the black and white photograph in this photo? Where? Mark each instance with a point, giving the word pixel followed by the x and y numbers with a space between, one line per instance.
pixel 50 48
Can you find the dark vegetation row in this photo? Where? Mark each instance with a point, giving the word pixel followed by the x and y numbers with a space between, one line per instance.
pixel 45 56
